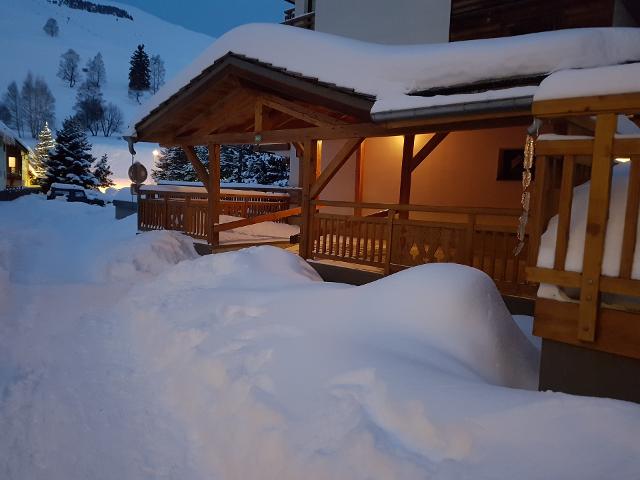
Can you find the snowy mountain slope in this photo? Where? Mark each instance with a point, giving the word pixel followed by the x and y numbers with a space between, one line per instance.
pixel 25 47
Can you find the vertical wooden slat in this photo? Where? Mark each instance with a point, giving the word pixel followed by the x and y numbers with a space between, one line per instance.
pixel 365 241
pixel 471 227
pixel 537 208
pixel 389 240
pixel 359 180
pixel 597 217
pixel 564 212
pixel 631 219
pixel 358 234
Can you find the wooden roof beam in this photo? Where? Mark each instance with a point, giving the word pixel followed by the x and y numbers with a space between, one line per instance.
pixel 335 165
pixel 198 166
pixel 429 147
pixel 298 111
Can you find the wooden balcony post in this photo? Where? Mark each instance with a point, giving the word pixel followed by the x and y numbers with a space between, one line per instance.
pixel 405 174
pixel 309 175
pixel 597 216
pixel 359 181
pixel 214 194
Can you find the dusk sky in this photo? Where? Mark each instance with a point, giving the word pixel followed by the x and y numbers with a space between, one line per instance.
pixel 213 17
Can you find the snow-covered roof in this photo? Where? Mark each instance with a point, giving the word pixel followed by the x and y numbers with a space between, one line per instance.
pixel 9 137
pixel 394 74
pixel 588 82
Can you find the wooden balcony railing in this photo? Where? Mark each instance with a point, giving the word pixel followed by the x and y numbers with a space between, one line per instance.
pixel 188 212
pixel 308 20
pixel 482 238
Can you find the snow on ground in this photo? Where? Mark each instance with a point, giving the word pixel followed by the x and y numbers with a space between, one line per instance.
pixel 129 357
pixel 390 72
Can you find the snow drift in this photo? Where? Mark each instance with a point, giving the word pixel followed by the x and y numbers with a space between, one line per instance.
pixel 129 357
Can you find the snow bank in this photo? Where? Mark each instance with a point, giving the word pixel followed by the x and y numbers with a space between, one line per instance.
pixel 389 72
pixel 590 82
pixel 578 228
pixel 402 378
pixel 246 365
pixel 52 242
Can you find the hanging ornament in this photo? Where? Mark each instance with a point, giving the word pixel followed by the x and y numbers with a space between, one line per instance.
pixel 529 153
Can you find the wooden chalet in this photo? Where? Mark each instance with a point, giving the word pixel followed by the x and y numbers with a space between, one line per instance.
pixel 360 178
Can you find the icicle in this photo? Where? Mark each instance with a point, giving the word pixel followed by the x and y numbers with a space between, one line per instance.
pixel 529 152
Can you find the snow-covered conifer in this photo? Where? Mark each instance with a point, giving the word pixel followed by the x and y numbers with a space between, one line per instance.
pixel 71 160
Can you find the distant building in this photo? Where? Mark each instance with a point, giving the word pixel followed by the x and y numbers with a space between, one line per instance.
pixel 436 21
pixel 14 164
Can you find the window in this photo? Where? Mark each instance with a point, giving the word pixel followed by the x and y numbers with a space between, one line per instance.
pixel 12 164
pixel 511 164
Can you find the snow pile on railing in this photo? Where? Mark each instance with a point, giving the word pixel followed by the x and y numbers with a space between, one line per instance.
pixel 390 72
pixel 578 228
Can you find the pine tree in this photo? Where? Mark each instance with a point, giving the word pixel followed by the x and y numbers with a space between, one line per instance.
pixel 40 155
pixel 139 75
pixel 103 172
pixel 70 161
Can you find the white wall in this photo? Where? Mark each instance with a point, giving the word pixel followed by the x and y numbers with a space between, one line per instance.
pixel 384 21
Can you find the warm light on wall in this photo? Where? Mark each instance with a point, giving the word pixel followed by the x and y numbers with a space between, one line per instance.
pixel 623 160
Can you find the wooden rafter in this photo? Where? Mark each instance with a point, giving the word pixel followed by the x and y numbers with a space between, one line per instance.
pixel 429 147
pixel 213 111
pixel 334 165
pixel 340 132
pixel 298 111
pixel 198 166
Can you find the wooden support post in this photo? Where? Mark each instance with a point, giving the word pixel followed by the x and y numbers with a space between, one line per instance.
pixel 309 165
pixel 597 217
pixel 214 194
pixel 200 169
pixel 359 181
pixel 405 174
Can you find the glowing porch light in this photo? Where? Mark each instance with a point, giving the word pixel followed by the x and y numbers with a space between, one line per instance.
pixel 156 152
pixel 623 159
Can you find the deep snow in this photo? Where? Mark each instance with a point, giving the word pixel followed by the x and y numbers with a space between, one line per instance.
pixel 129 357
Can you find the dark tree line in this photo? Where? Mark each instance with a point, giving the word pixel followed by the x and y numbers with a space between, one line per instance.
pixel 93 7
pixel 238 164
